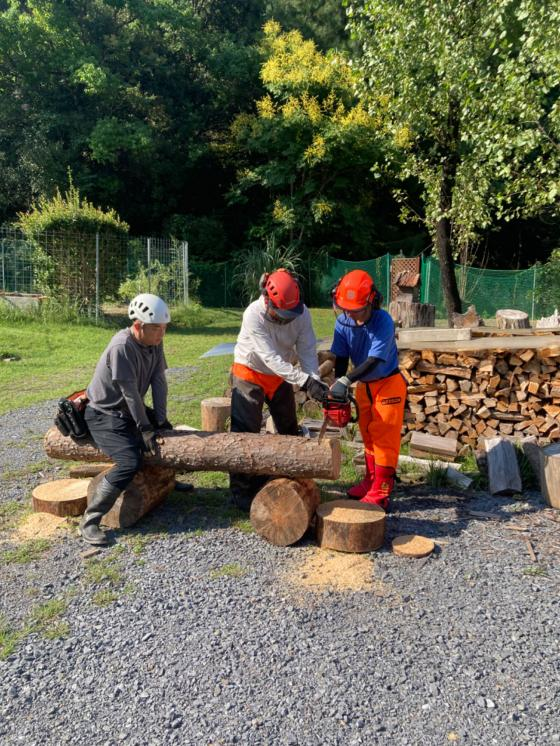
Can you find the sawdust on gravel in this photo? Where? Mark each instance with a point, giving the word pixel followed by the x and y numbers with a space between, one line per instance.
pixel 324 569
pixel 39 526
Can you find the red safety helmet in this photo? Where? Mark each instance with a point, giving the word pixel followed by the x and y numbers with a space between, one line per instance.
pixel 355 291
pixel 282 292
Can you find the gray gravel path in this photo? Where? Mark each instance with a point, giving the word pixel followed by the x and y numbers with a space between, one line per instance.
pixel 461 647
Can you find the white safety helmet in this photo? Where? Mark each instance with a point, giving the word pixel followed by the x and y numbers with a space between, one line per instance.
pixel 149 308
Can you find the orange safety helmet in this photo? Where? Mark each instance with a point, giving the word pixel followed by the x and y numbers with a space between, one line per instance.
pixel 355 291
pixel 281 291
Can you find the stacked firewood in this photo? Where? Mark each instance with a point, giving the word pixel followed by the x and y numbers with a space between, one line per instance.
pixel 473 395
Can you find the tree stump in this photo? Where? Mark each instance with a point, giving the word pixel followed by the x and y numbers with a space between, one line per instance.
pixel 238 453
pixel 407 315
pixel 350 526
pixel 549 474
pixel 504 477
pixel 468 320
pixel 214 413
pixel 282 510
pixel 61 497
pixel 507 318
pixel 148 489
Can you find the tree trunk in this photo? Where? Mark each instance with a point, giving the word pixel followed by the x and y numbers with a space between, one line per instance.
pixel 350 526
pixel 243 453
pixel 214 413
pixel 409 315
pixel 148 489
pixel 507 318
pixel 282 511
pixel 444 247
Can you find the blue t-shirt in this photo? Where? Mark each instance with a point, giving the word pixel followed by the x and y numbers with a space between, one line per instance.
pixel 374 339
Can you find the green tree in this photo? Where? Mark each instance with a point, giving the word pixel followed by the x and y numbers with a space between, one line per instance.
pixel 469 91
pixel 305 157
pixel 323 21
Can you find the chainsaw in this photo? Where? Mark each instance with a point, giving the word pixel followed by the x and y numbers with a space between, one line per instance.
pixel 338 413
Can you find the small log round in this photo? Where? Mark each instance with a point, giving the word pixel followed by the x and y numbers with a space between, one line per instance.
pixel 282 510
pixel 148 489
pixel 214 413
pixel 350 526
pixel 508 318
pixel 61 497
pixel 412 545
pixel 83 471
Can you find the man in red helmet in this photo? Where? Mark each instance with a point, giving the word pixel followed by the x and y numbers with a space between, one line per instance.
pixel 365 334
pixel 275 333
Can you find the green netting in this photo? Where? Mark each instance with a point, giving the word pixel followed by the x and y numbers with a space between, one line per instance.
pixel 212 284
pixel 487 289
pixel 324 274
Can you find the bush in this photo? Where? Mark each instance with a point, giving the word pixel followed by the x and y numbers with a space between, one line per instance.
pixel 192 316
pixel 252 263
pixel 165 280
pixel 63 232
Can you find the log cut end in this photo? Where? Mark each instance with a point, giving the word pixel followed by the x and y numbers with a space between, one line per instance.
pixel 282 510
pixel 412 545
pixel 350 526
pixel 61 497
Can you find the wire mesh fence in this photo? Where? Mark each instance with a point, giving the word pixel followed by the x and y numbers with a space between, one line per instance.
pixel 91 269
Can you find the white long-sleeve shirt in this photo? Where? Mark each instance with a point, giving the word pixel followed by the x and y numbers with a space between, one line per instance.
pixel 273 348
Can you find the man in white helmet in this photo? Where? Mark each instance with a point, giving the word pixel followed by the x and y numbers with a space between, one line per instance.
pixel 119 422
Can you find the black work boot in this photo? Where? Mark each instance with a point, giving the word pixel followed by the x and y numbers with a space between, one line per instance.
pixel 101 502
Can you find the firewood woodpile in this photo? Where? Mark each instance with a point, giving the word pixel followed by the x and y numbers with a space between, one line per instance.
pixel 483 394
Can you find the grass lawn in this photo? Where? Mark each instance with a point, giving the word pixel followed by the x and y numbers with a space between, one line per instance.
pixel 56 359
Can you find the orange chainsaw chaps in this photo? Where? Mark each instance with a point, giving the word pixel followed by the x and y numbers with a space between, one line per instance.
pixel 381 406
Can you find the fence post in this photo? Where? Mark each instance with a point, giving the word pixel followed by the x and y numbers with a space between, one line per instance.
pixel 534 288
pixel 96 278
pixel 389 260
pixel 428 272
pixel 185 246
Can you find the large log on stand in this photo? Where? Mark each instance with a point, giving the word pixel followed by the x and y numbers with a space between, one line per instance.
pixel 243 453
pixel 282 510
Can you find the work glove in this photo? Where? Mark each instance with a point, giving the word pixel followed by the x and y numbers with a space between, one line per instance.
pixel 339 389
pixel 315 388
pixel 165 425
pixel 148 440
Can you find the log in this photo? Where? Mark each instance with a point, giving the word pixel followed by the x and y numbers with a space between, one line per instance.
pixel 350 526
pixel 61 497
pixel 424 446
pixel 326 367
pixel 468 320
pixel 504 477
pixel 243 453
pixel 214 413
pixel 549 322
pixel 549 474
pixel 407 315
pixel 282 510
pixel 83 471
pixel 508 318
pixel 147 490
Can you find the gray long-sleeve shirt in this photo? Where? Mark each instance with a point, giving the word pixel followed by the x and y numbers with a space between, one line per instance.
pixel 123 375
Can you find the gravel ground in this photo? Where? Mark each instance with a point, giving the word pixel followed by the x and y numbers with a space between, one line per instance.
pixel 207 641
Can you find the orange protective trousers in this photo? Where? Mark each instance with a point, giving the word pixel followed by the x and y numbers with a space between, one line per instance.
pixel 381 405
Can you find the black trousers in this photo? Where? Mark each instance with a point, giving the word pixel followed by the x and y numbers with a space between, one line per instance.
pixel 247 401
pixel 119 439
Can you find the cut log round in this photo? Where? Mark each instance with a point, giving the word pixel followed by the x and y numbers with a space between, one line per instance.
pixel 243 453
pixel 549 474
pixel 412 545
pixel 508 318
pixel 61 497
pixel 214 413
pixel 147 490
pixel 350 526
pixel 282 510
pixel 407 315
pixel 83 471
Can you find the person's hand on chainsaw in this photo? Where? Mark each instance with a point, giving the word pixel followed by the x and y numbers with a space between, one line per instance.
pixel 315 388
pixel 340 388
pixel 165 425
pixel 148 440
